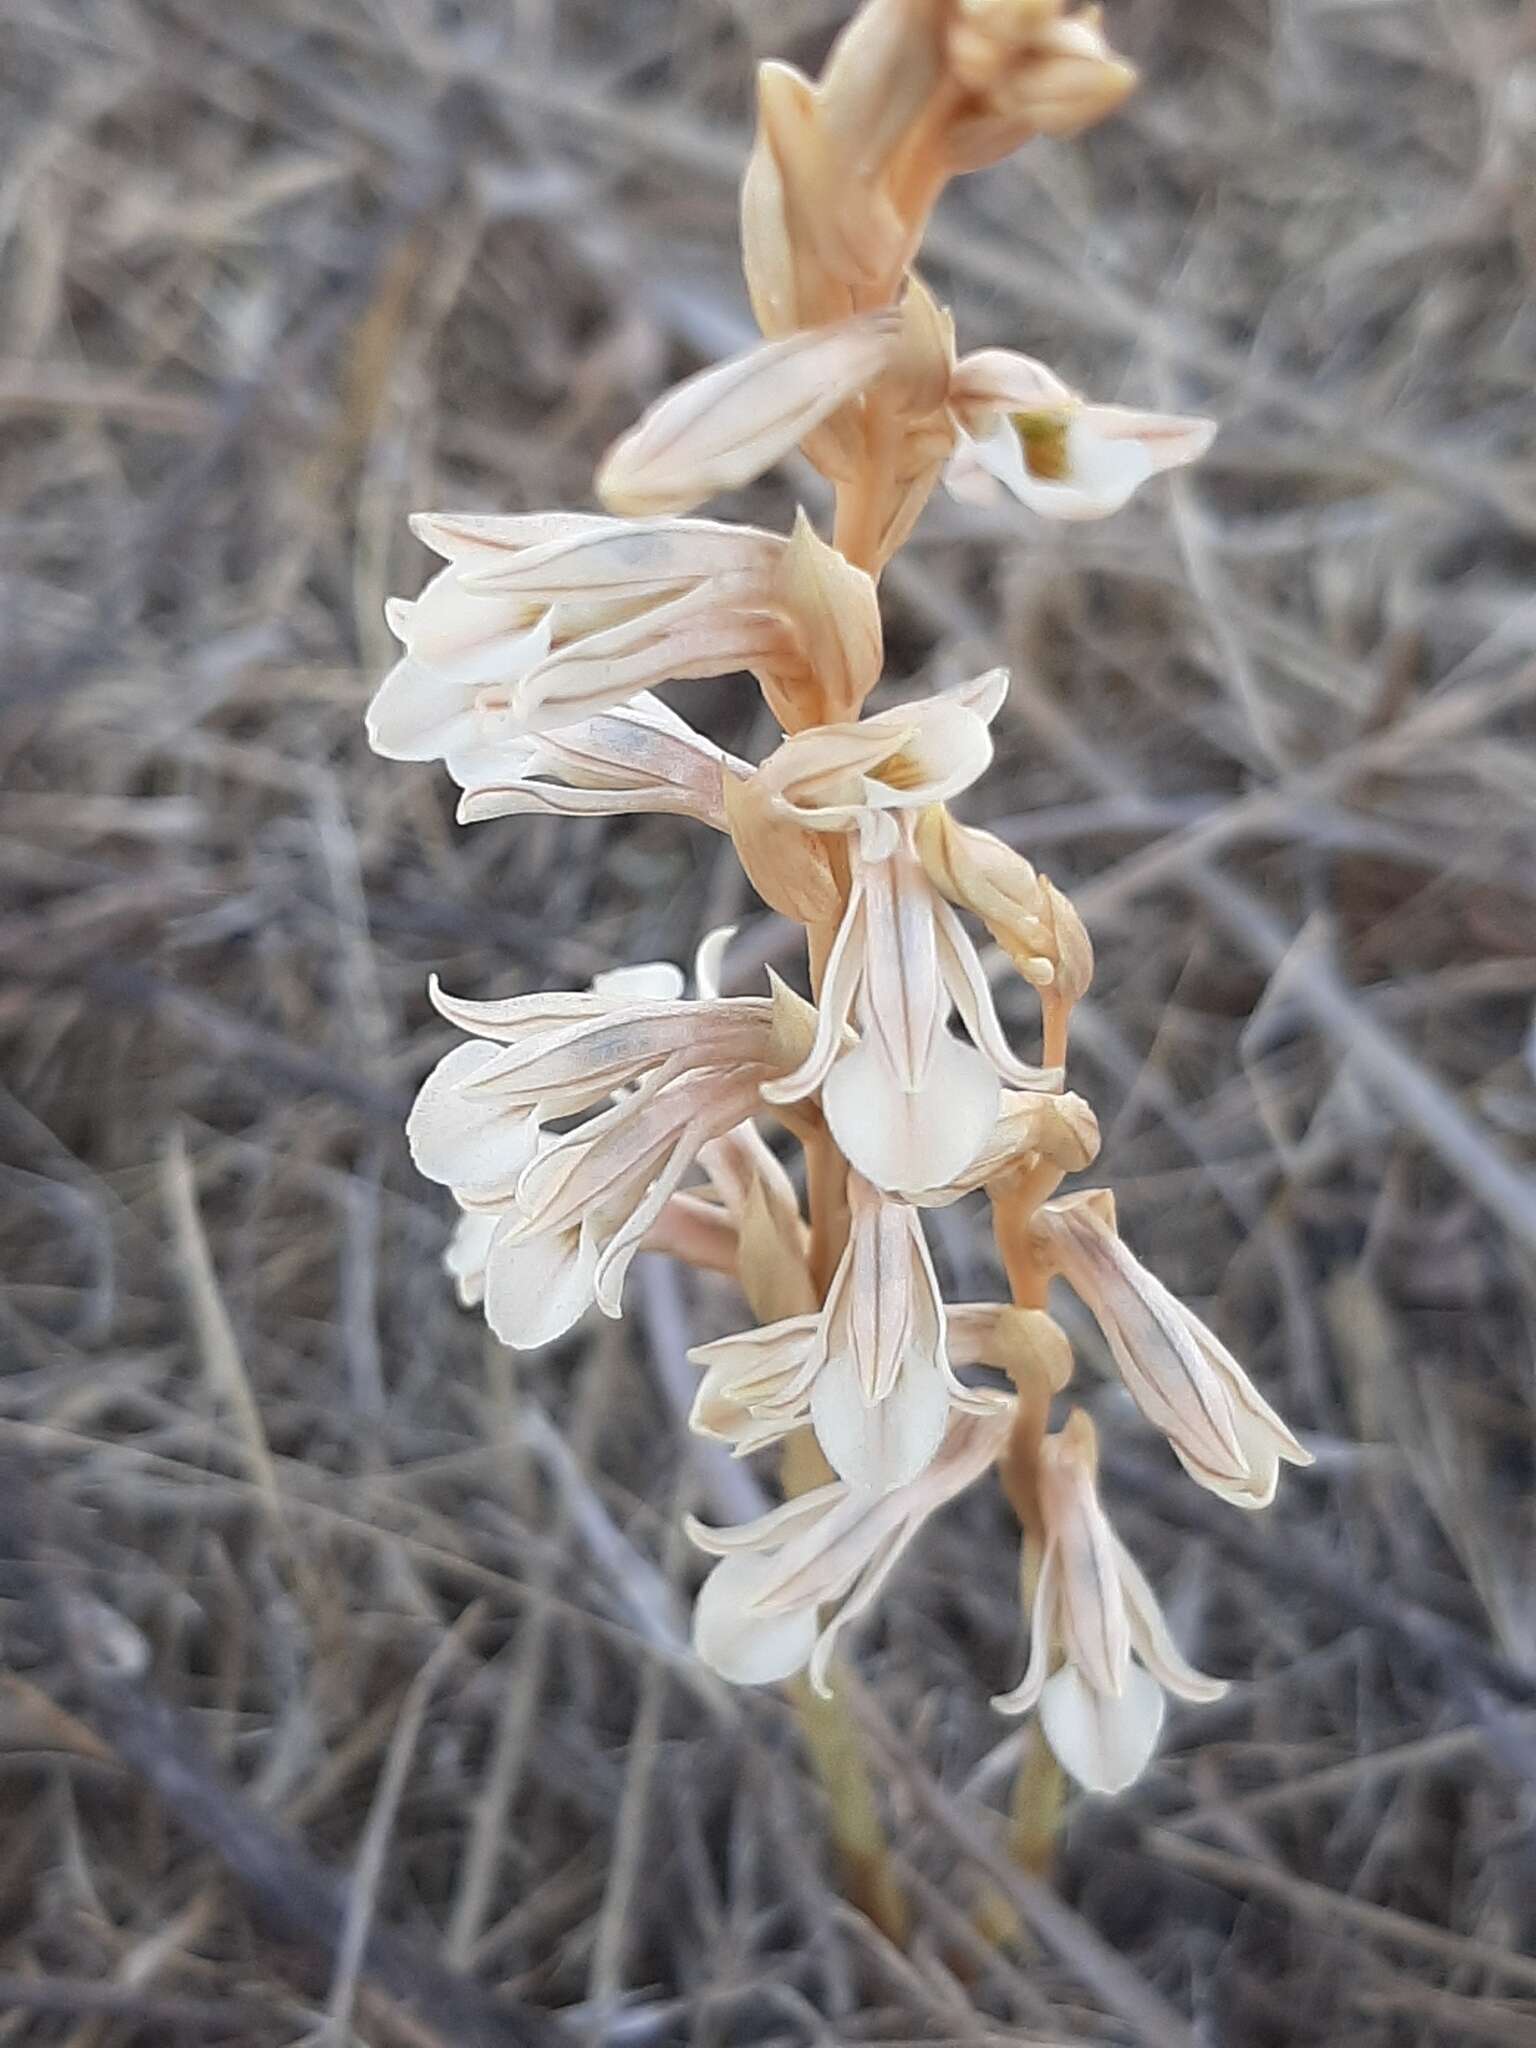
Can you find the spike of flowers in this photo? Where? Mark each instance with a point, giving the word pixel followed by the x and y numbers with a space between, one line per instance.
pixel 575 1129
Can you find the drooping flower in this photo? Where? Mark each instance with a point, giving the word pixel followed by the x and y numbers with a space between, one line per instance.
pixel 542 621
pixel 1092 1612
pixel 725 426
pixel 571 1211
pixel 1178 1372
pixel 870 1371
pixel 909 1104
pixel 1023 429
pixel 757 1618
pixel 637 757
pixel 540 624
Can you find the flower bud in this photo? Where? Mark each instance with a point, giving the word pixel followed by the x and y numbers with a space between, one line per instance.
pixel 1028 72
pixel 978 872
pixel 1070 79
pixel 1025 1343
pixel 987 34
pixel 883 70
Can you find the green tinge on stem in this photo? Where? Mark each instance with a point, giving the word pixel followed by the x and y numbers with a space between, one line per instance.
pixel 858 1833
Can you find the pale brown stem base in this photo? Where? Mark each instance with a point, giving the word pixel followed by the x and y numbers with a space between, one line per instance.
pixel 858 1834
pixel 838 1758
pixel 1039 1788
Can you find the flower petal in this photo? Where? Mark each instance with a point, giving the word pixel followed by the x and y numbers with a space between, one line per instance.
pixel 1169 439
pixel 999 379
pixel 1099 476
pixel 1152 1642
pixel 416 716
pixel 538 1286
pixel 469 1142
pixel 651 981
pixel 1104 1742
pixel 902 1139
pixel 882 1444
pixel 771 1530
pixel 740 1644
pixel 1041 1641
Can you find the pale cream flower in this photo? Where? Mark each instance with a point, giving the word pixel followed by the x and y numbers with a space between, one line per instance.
pixel 832 777
pixel 572 1211
pixel 909 1104
pixel 725 426
pixel 637 757
pixel 1179 1374
pixel 757 1619
pixel 543 621
pixel 756 1387
pixel 838 778
pixel 1092 1612
pixel 1023 429
pixel 870 1371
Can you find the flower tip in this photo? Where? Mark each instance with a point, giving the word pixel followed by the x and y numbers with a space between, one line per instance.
pixel 985 694
pixel 619 488
pixel 435 530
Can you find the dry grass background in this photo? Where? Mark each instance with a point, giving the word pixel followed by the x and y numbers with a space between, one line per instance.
pixel 302 1577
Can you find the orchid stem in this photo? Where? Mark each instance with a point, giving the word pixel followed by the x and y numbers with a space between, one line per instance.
pixel 1039 1786
pixel 837 1755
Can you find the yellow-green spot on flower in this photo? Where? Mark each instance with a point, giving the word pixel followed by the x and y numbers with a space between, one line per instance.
pixel 1043 437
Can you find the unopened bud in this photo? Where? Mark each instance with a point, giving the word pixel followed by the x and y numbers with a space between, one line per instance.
pixel 976 871
pixel 1068 77
pixel 1028 72
pixel 881 74
pixel 1025 1343
pixel 1071 947
pixel 817 239
pixel 985 35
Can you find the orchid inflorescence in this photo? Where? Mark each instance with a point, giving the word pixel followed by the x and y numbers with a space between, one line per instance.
pixel 578 1129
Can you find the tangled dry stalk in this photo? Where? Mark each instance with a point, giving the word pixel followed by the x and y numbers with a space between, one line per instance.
pixel 271 279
